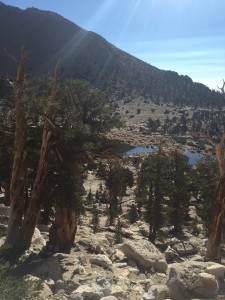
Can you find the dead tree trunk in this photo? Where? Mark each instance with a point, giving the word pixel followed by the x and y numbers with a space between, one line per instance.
pixel 218 203
pixel 63 230
pixel 34 205
pixel 216 223
pixel 19 168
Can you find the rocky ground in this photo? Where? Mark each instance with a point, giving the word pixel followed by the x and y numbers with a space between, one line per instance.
pixel 136 113
pixel 97 268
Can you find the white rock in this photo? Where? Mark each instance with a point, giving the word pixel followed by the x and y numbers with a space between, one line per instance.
pixel 163 291
pixel 104 285
pixel 118 291
pixel 185 248
pixel 217 270
pixel 45 292
pixel 84 290
pixel 79 270
pixel 145 254
pixel 44 268
pixel 120 274
pixel 133 270
pixel 108 298
pixel 2 241
pixel 120 265
pixel 38 242
pixel 118 255
pixel 205 285
pixel 49 282
pixel 101 260
pixel 182 277
pixel 193 213
pixel 152 294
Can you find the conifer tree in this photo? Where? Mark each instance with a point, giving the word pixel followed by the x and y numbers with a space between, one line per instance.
pixel 133 214
pixel 118 237
pixel 180 191
pixel 118 179
pixel 154 184
pixel 95 219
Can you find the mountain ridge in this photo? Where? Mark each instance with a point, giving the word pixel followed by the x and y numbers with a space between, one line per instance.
pixel 86 55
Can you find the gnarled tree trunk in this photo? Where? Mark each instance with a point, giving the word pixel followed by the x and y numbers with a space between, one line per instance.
pixel 216 223
pixel 63 230
pixel 19 168
pixel 218 202
pixel 34 205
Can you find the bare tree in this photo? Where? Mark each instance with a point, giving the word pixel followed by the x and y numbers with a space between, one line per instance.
pixel 34 206
pixel 218 201
pixel 22 224
pixel 19 168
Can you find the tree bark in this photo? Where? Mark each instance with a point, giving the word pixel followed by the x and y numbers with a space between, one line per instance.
pixel 216 222
pixel 19 168
pixel 63 230
pixel 34 205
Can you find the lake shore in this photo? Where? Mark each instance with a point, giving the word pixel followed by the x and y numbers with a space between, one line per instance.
pixel 166 142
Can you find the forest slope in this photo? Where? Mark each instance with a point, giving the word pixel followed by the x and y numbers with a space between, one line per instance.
pixel 49 37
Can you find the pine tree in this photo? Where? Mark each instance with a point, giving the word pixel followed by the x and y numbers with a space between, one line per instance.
pixel 180 191
pixel 117 181
pixel 206 177
pixel 95 219
pixel 154 185
pixel 118 237
pixel 133 214
pixel 89 197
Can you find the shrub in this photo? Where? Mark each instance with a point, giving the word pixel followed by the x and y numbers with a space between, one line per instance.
pixel 95 219
pixel 133 214
pixel 118 237
pixel 15 288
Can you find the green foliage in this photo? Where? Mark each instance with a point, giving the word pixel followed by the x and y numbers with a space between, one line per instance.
pixel 78 115
pixel 112 213
pixel 153 186
pixel 117 180
pixel 194 227
pixel 13 287
pixel 163 190
pixel 89 198
pixel 6 145
pixel 180 190
pixel 204 179
pixel 95 219
pixel 101 170
pixel 133 214
pixel 153 125
pixel 118 237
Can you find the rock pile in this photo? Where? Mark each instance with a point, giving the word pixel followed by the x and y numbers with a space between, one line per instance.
pixel 99 269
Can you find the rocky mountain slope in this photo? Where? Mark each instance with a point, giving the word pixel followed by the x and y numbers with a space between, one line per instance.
pixel 49 37
pixel 99 269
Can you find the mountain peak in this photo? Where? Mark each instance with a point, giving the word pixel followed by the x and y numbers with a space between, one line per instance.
pixel 86 55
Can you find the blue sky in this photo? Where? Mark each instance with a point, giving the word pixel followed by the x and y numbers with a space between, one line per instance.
pixel 186 36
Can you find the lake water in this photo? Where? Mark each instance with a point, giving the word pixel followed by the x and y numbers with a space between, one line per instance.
pixel 139 150
pixel 192 156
